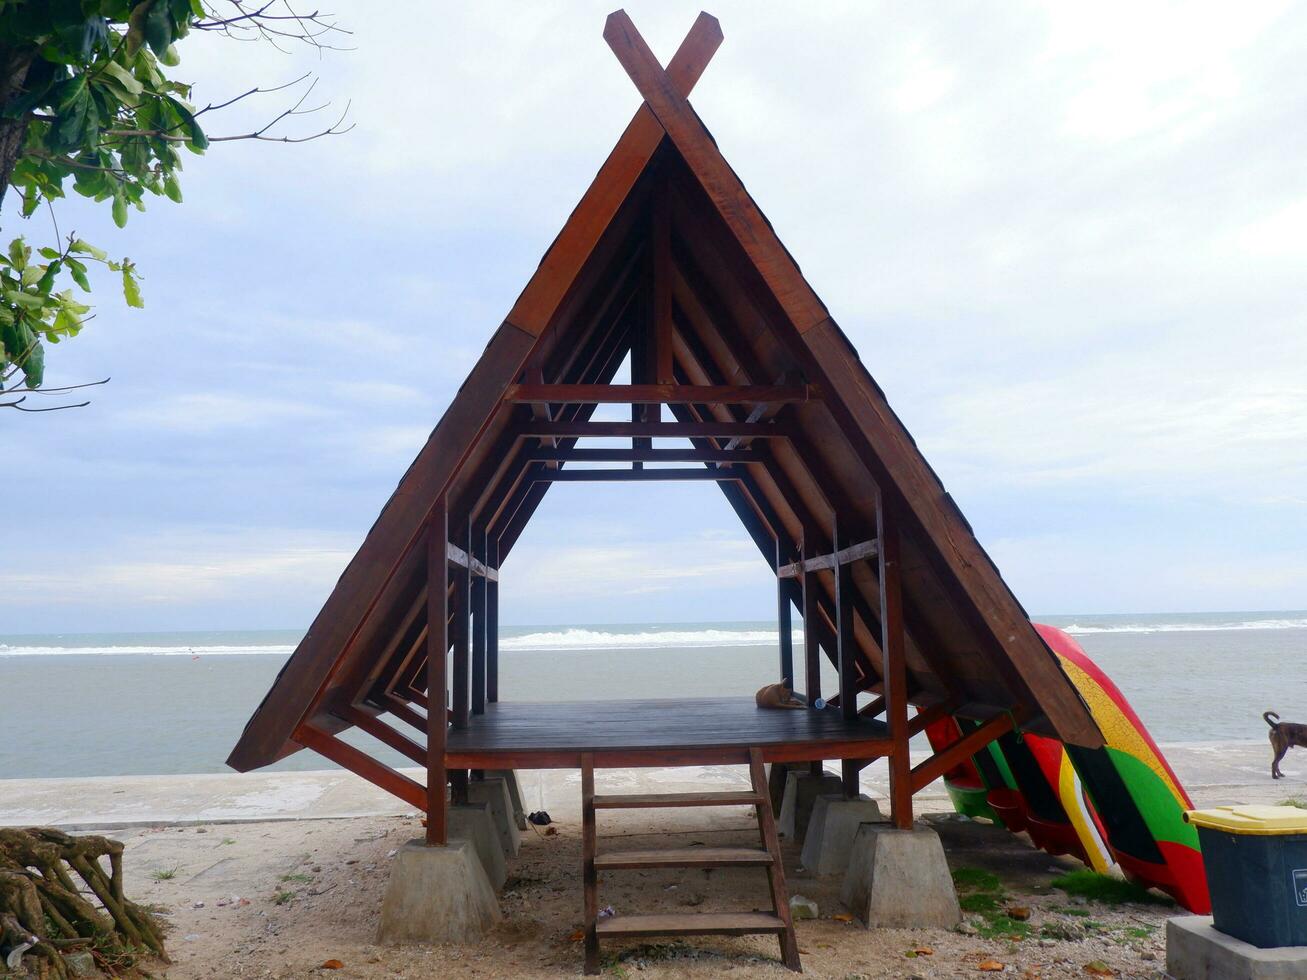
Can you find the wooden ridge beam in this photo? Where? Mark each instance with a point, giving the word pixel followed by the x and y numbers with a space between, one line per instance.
pixel 861 551
pixel 659 394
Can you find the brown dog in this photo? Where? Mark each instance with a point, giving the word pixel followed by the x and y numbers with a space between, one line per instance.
pixel 778 696
pixel 1284 736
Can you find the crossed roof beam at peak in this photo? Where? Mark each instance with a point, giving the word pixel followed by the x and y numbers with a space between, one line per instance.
pixel 668 261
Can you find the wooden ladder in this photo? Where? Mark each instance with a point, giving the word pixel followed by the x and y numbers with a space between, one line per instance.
pixel 693 923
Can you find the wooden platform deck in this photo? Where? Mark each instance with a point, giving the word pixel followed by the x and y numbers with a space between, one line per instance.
pixel 694 731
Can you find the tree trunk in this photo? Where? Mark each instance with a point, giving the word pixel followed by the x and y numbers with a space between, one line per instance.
pixel 14 65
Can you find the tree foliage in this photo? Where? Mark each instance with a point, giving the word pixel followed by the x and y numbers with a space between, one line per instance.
pixel 88 106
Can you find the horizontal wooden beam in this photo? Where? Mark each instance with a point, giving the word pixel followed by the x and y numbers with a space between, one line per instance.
pixel 653 430
pixel 872 748
pixel 659 394
pixel 968 745
pixel 712 474
pixel 383 733
pixel 626 454
pixel 862 551
pixel 457 556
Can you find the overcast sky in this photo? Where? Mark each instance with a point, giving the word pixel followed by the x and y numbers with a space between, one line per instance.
pixel 1070 242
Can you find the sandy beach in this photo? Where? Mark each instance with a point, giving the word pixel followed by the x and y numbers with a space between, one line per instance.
pixel 273 875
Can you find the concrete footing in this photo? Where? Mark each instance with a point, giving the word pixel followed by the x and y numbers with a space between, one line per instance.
pixel 495 792
pixel 899 879
pixel 514 793
pixel 473 822
pixel 801 791
pixel 832 828
pixel 1197 951
pixel 437 895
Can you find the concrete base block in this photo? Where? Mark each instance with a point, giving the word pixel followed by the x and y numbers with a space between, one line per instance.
pixel 801 791
pixel 899 879
pixel 514 794
pixel 473 823
pixel 495 792
pixel 437 895
pixel 1197 951
pixel 831 830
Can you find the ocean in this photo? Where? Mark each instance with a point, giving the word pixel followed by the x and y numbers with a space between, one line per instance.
pixel 154 703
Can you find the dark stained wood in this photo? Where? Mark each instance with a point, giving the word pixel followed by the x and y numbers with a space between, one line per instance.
pixel 492 626
pixel 700 152
pixel 784 620
pixel 683 857
pixel 437 645
pixel 780 896
pixel 846 645
pixel 589 875
pixel 477 597
pixel 635 476
pixel 661 253
pixel 811 652
pixel 460 676
pixel 378 729
pixel 654 430
pixel 626 454
pixel 689 924
pixel 646 801
pixel 652 724
pixel 895 679
pixel 668 393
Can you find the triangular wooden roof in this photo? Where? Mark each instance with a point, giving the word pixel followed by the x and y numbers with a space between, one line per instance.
pixel 668 259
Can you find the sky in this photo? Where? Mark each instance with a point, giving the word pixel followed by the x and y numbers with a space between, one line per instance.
pixel 1069 241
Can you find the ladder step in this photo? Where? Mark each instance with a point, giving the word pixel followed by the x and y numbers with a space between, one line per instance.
pixel 689 924
pixel 637 801
pixel 685 857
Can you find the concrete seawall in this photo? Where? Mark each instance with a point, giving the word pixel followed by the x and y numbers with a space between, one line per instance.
pixel 1213 773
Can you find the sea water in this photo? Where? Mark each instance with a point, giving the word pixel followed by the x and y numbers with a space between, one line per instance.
pixel 143 703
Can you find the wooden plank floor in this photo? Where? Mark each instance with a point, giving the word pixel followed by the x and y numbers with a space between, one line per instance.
pixel 550 734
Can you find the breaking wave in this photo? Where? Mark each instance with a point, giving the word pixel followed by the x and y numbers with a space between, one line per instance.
pixel 1076 629
pixel 591 639
pixel 217 650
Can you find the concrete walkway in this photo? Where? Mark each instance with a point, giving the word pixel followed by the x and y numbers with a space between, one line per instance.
pixel 1212 773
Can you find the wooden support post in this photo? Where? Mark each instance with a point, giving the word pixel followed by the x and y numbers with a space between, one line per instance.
pixel 462 606
pixel 662 286
pixel 845 641
pixel 492 625
pixel 896 678
pixel 784 620
pixel 811 650
pixel 477 594
pixel 437 645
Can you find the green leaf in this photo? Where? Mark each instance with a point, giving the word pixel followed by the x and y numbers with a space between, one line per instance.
pixel 158 27
pixel 26 300
pixel 198 140
pixel 78 272
pixel 33 365
pixel 172 188
pixel 48 253
pixel 136 27
pixel 120 210
pixel 170 57
pixel 125 80
pixel 46 282
pixel 84 248
pixel 18 253
pixel 78 116
pixel 132 290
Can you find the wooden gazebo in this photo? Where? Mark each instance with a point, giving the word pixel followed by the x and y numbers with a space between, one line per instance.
pixel 667 260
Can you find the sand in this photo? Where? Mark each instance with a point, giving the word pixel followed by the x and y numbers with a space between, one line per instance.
pixel 280 899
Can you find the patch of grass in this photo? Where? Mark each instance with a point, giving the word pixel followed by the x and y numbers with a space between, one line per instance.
pixel 1300 804
pixel 227 840
pixel 283 898
pixel 981 893
pixel 299 876
pixel 1140 932
pixel 1106 889
pixel 164 874
pixel 1076 910
pixel 976 880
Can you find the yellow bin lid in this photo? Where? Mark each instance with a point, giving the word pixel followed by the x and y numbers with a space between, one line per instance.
pixel 1257 819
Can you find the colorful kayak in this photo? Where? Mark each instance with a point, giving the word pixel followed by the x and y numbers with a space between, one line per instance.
pixel 1118 804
